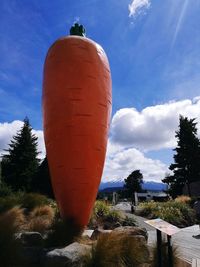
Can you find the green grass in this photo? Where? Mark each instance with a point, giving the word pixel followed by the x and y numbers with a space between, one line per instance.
pixel 105 217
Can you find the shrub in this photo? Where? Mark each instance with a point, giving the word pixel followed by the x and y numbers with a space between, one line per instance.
pixel 117 250
pixel 5 190
pixel 174 212
pixel 101 209
pixel 103 215
pixel 32 200
pixel 40 219
pixel 42 211
pixel 128 221
pixel 63 232
pixel 8 202
pixel 10 222
pixel 183 199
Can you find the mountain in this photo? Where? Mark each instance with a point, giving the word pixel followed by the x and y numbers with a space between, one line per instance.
pixel 150 186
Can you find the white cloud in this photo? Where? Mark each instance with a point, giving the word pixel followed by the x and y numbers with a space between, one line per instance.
pixel 121 162
pixel 8 130
pixel 154 127
pixel 137 5
pixel 132 134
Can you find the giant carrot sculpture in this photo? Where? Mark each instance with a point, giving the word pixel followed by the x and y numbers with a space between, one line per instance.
pixel 76 113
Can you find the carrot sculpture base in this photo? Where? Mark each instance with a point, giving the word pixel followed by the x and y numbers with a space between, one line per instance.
pixel 76 114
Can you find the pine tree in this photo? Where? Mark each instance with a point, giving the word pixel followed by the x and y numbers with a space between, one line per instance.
pixel 186 167
pixel 133 183
pixel 20 163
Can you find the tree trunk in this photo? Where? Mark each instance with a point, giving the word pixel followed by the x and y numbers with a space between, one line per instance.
pixel 189 189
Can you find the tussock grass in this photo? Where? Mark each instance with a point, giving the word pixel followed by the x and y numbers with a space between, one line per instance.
pixel 183 199
pixel 116 250
pixel 10 222
pixel 63 232
pixel 40 219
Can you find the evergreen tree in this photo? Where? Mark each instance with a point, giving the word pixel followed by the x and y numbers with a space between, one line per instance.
pixel 186 167
pixel 42 181
pixel 20 164
pixel 133 183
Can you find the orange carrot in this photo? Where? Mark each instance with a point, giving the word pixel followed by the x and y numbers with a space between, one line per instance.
pixel 76 113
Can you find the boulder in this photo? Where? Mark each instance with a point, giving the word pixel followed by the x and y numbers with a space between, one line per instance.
pixel 134 241
pixel 132 231
pixel 97 232
pixel 30 239
pixel 31 256
pixel 71 255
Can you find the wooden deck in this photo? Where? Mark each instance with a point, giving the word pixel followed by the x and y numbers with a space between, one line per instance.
pixel 187 242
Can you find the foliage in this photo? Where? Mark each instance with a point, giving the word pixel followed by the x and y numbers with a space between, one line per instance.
pixel 9 202
pixel 31 200
pixel 20 164
pixel 42 180
pixel 101 209
pixel 105 216
pixel 183 199
pixel 10 222
pixel 27 201
pixel 5 190
pixel 186 167
pixel 63 232
pixel 116 251
pixel 133 183
pixel 40 219
pixel 174 212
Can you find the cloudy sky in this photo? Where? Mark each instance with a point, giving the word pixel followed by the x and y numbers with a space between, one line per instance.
pixel 154 54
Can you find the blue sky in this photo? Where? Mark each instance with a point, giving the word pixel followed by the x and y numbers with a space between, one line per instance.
pixel 154 53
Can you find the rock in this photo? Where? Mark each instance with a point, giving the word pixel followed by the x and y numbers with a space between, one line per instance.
pixel 136 240
pixel 71 255
pixel 31 256
pixel 88 233
pixel 132 231
pixel 97 232
pixel 30 239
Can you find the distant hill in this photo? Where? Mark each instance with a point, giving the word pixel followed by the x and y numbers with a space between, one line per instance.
pixel 113 186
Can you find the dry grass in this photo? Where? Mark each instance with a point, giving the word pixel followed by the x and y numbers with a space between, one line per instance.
pixel 10 222
pixel 63 232
pixel 117 250
pixel 183 199
pixel 165 260
pixel 40 219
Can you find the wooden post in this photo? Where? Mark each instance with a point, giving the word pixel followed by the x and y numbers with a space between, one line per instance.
pixel 159 247
pixel 170 256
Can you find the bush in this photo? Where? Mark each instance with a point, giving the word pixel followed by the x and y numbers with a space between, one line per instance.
pixel 8 202
pixel 62 233
pixel 174 212
pixel 103 215
pixel 101 209
pixel 40 219
pixel 128 221
pixel 183 199
pixel 116 251
pixel 5 190
pixel 32 200
pixel 10 222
